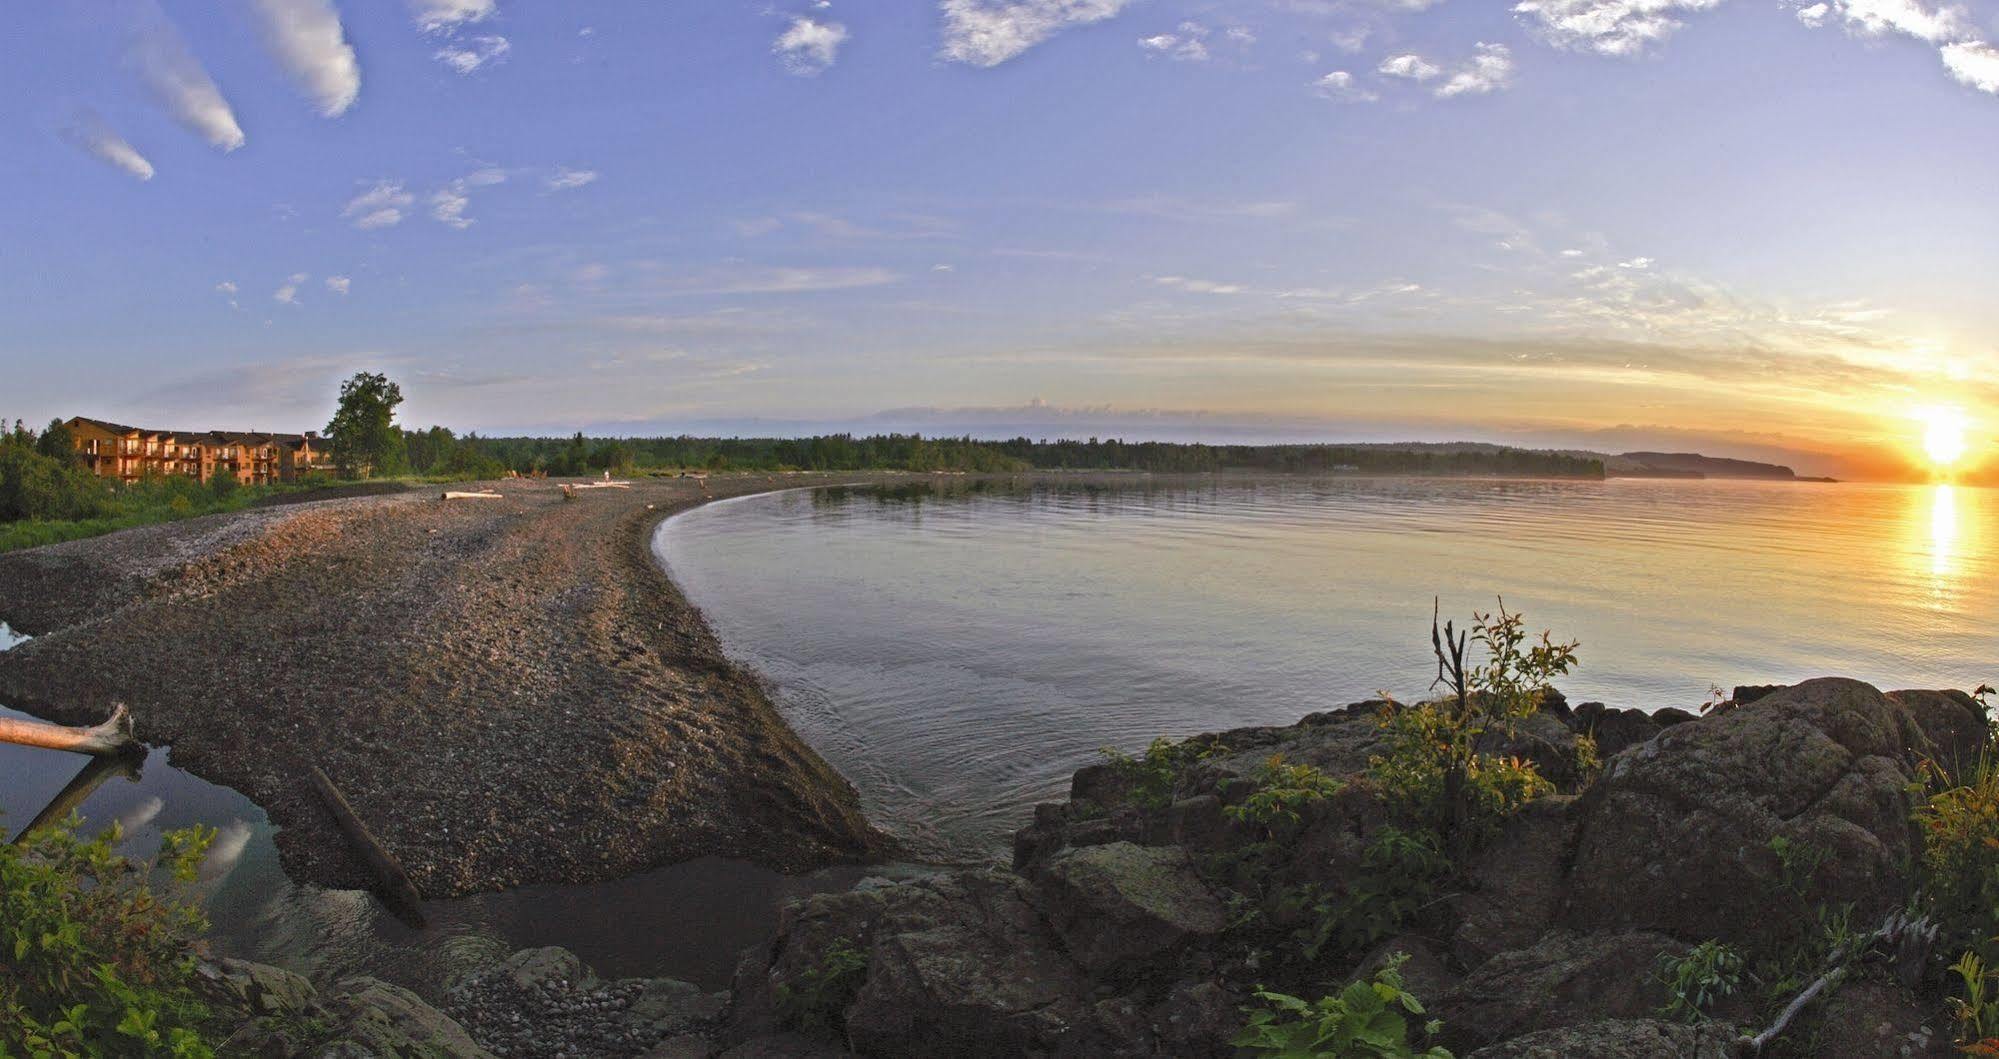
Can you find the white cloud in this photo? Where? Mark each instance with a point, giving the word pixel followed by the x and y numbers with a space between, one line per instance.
pixel 288 294
pixel 1413 67
pixel 808 48
pixel 1608 27
pixel 226 287
pixel 88 132
pixel 471 55
pixel 1814 15
pixel 783 281
pixel 443 16
pixel 1197 286
pixel 1877 18
pixel 448 203
pixel 990 32
pixel 1973 63
pixel 1638 263
pixel 1189 43
pixel 380 206
pixel 339 284
pixel 1489 70
pixel 486 177
pixel 306 38
pixel 566 179
pixel 1340 87
pixel 177 79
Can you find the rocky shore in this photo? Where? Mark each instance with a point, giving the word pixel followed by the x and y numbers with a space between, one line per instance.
pixel 507 691
pixel 1111 934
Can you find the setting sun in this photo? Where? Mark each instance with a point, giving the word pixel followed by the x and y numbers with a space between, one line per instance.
pixel 1943 435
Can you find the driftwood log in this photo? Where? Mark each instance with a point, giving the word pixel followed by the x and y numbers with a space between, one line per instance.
pixel 112 738
pixel 395 887
pixel 457 495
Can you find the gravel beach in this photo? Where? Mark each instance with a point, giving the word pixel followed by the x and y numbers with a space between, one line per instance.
pixel 508 691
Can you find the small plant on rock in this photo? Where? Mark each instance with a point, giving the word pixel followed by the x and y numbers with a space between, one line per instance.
pixel 1399 875
pixel 1977 1012
pixel 1153 775
pixel 1696 979
pixel 1960 865
pixel 1280 791
pixel 817 1004
pixel 1366 1020
pixel 1433 768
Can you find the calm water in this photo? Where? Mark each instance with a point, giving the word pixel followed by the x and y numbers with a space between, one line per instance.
pixel 958 653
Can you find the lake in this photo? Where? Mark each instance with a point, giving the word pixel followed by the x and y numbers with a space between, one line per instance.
pixel 958 650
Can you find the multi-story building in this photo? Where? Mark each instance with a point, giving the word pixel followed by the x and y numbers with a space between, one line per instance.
pixel 113 450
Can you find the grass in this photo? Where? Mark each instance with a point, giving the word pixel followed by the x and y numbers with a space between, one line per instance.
pixel 147 504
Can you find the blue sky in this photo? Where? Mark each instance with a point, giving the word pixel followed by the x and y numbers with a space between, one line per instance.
pixel 1741 225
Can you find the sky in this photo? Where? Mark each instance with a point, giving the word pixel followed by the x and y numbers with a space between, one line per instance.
pixel 1748 227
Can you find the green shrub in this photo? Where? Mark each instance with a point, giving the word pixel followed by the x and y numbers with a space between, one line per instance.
pixel 1977 1012
pixel 1366 1020
pixel 1280 790
pixel 817 1005
pixel 93 961
pixel 1432 771
pixel 1400 874
pixel 1696 979
pixel 1153 775
pixel 1960 862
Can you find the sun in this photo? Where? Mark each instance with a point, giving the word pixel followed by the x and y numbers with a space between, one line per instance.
pixel 1943 435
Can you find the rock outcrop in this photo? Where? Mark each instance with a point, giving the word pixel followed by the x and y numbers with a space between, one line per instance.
pixel 1139 919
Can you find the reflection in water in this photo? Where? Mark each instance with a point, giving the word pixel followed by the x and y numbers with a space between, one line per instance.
pixel 957 654
pixel 1943 528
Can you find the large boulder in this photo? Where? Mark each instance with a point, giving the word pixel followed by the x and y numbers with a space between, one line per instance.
pixel 1676 836
pixel 1563 979
pixel 1955 724
pixel 1619 1039
pixel 1120 903
pixel 1613 729
pixel 1516 887
pixel 372 1018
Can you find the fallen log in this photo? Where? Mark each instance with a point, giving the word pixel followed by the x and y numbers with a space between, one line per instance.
pixel 111 738
pixel 78 790
pixel 453 495
pixel 605 485
pixel 395 887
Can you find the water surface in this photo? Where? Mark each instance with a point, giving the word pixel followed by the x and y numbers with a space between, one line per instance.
pixel 959 651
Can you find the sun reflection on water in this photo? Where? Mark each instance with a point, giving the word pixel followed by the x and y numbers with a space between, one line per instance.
pixel 1943 529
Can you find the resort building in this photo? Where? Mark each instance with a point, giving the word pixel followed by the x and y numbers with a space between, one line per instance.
pixel 113 450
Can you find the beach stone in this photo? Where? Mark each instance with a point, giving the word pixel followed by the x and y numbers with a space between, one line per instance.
pixel 1620 1039
pixel 1675 837
pixel 665 1007
pixel 550 967
pixel 374 1018
pixel 1119 903
pixel 1563 979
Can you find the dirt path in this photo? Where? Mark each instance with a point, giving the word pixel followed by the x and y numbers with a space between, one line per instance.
pixel 508 691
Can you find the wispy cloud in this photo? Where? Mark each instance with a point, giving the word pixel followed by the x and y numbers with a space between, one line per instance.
pixel 808 48
pixel 1198 286
pixel 177 80
pixel 288 294
pixel 307 39
pixel 990 32
pixel 782 280
pixel 443 16
pixel 1341 87
pixel 1488 70
pixel 448 204
pixel 1879 18
pixel 471 55
pixel 339 285
pixel 381 206
pixel 1412 67
pixel 1608 27
pixel 89 133
pixel 567 179
pixel 1180 209
pixel 1189 41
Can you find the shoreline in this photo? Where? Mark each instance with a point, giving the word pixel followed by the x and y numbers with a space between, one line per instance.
pixel 509 692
